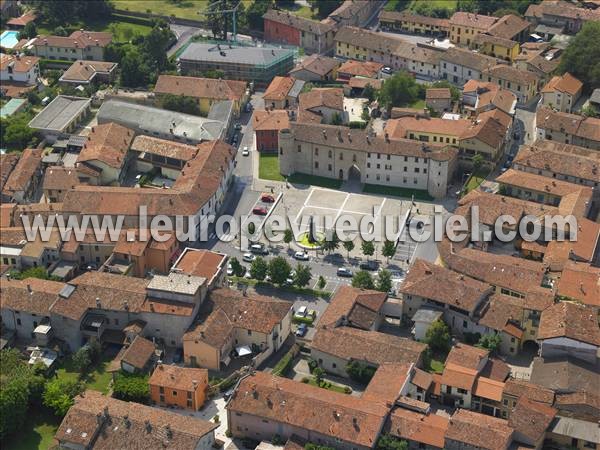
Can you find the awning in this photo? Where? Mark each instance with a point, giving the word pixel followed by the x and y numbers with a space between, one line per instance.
pixel 243 350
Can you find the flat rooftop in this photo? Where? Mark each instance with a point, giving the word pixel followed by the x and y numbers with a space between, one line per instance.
pixel 254 56
pixel 161 121
pixel 59 113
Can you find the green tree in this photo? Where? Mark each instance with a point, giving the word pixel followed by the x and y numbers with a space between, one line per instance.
pixel 29 31
pixel 259 268
pixel 59 394
pixel 16 133
pixel 180 103
pixel 581 58
pixel 321 283
pixel 303 275
pixel 359 371
pixel 590 111
pixel 134 70
pixel 368 248
pixel 331 243
pixel 363 279
pixel 32 272
pixel 131 387
pixel 318 373
pixel 389 249
pixel 288 236
pixel 384 281
pixel 324 7
pixel 365 115
pixel 255 13
pixel 438 336
pixel 399 90
pixel 349 246
pixel 336 119
pixel 60 31
pixel 490 342
pixel 369 92
pixel 279 270
pixel 477 162
pixel 82 359
pixel 236 267
pixel 389 442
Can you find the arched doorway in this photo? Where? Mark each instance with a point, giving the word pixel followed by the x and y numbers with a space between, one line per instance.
pixel 354 173
pixel 530 348
pixel 341 174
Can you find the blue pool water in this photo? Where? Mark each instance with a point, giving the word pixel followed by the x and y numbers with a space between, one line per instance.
pixel 8 39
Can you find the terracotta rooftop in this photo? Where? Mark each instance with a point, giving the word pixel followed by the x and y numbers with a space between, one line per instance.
pixel 99 422
pixel 278 89
pixel 30 295
pixel 19 64
pixel 322 97
pixel 226 310
pixel 512 74
pixel 8 161
pixel 270 120
pixel 404 126
pixel 428 429
pixel 442 285
pixel 566 374
pixel 565 159
pixel 531 419
pixel 501 312
pixel 509 26
pixel 181 378
pixel 479 430
pixel 387 383
pixel 488 389
pixel 345 302
pixel 349 343
pixel 580 282
pixel 164 147
pixel 358 140
pixel 201 263
pixel 211 88
pixel 361 83
pixel 467 58
pixel 60 178
pixel 472 20
pixel 570 320
pixel 301 406
pixel 107 143
pixel 397 16
pixel 24 171
pixel 318 64
pixel 300 23
pixel 368 69
pixel 23 19
pixel 438 93
pixel 566 83
pixel 139 352
pixel 82 70
pixel 584 127
pixel 532 391
pixel 77 39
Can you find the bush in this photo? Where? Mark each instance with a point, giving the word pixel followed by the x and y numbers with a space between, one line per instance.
pixel 305 380
pixel 130 387
pixel 312 365
pixel 59 395
pixel 360 372
pixel 306 320
pixel 357 124
pixel 226 385
pixel 284 364
pixel 347 390
pixel 471 338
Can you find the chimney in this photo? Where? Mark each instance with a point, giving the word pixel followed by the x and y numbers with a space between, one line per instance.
pixel 98 304
pixel 29 288
pixel 387 137
pixel 147 426
pixel 126 421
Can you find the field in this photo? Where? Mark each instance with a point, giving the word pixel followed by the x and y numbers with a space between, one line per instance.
pixel 185 9
pixel 414 5
pixel 122 29
pixel 268 167
pixel 38 432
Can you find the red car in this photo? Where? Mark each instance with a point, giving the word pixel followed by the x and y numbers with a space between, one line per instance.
pixel 260 211
pixel 267 198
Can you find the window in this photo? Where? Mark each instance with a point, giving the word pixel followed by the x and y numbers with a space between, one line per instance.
pixel 341 156
pixel 316 164
pixel 329 153
pixel 189 395
pixel 299 148
pixel 174 393
pixel 249 332
pixel 462 391
pixel 316 152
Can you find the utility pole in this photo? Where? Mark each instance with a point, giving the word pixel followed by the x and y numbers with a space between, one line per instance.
pixel 232 11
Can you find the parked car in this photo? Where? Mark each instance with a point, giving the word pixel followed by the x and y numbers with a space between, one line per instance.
pixel 245 151
pixel 259 211
pixel 229 269
pixel 248 257
pixel 267 198
pixel 312 313
pixel 387 70
pixel 302 330
pixel 238 126
pixel 259 249
pixel 369 265
pixel 301 256
pixel 301 312
pixel 228 394
pixel 343 272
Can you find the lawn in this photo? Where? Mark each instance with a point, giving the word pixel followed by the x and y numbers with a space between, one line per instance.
pixel 449 5
pixel 392 191
pixel 121 27
pixel 38 432
pixel 314 180
pixel 98 379
pixel 475 180
pixel 418 104
pixel 184 9
pixel 268 167
pixel 300 10
pixel 435 366
pixel 328 385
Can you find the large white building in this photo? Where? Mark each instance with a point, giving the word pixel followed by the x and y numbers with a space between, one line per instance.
pixel 342 153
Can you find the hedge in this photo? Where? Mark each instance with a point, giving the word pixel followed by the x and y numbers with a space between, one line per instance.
pixel 307 320
pixel 284 364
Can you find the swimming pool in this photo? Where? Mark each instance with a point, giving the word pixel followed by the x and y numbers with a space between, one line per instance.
pixel 8 39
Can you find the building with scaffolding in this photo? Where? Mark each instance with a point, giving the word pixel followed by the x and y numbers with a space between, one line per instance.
pixel 257 64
